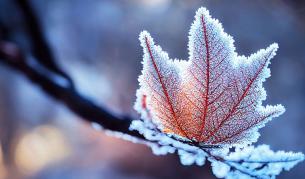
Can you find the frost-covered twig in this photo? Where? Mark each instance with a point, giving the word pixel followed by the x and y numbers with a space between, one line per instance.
pixel 249 161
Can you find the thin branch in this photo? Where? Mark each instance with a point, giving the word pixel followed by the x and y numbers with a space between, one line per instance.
pixel 80 105
pixel 234 165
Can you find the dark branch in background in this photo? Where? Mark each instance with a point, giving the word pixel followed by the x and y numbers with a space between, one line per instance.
pixel 11 56
pixel 40 48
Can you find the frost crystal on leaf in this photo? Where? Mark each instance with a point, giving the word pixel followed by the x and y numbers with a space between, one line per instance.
pixel 212 100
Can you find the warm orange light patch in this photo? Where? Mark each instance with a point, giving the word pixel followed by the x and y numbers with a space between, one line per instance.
pixel 39 148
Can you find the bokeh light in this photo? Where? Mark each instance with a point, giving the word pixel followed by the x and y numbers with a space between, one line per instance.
pixel 39 148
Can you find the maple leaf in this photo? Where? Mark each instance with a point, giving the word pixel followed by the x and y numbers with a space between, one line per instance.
pixel 213 98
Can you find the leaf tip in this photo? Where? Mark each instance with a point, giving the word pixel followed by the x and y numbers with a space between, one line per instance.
pixel 276 110
pixel 274 45
pixel 281 108
pixel 145 38
pixel 273 48
pixel 202 11
pixel 302 156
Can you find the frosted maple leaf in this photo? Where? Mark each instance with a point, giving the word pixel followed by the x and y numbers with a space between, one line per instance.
pixel 201 107
pixel 213 98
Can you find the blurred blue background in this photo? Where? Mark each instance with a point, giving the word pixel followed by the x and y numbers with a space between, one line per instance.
pixel 96 42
